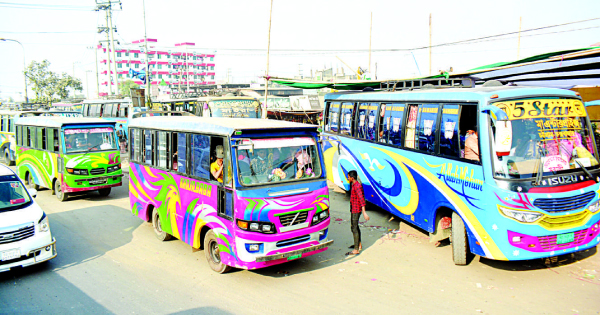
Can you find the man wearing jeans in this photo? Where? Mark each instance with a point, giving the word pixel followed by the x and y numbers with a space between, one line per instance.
pixel 357 206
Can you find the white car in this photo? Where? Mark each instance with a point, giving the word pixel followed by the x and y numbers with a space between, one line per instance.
pixel 25 237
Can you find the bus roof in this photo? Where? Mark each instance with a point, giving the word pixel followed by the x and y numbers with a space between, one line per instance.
pixel 122 101
pixel 54 121
pixel 451 94
pixel 215 125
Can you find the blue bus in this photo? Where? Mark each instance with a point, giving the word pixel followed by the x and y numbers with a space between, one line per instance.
pixel 507 173
pixel 119 111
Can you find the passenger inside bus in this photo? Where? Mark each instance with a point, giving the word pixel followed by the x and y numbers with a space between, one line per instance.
pixel 472 146
pixel 216 168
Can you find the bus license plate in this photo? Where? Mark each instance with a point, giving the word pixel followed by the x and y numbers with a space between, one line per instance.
pixel 97 181
pixel 11 254
pixel 565 238
pixel 294 257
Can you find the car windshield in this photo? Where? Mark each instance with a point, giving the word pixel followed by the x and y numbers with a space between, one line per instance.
pixel 551 134
pixel 12 195
pixel 277 160
pixel 89 139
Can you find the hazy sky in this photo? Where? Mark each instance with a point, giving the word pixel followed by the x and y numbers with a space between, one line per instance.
pixel 61 31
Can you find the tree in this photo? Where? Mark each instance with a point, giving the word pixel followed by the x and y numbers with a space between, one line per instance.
pixel 125 86
pixel 48 84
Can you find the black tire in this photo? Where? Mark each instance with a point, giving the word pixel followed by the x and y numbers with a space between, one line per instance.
pixel 212 253
pixel 460 248
pixel 6 158
pixel 160 234
pixel 32 183
pixel 60 195
pixel 104 192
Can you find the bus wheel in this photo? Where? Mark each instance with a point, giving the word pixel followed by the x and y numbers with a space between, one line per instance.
pixel 60 195
pixel 160 234
pixel 459 240
pixel 7 160
pixel 104 192
pixel 32 183
pixel 213 254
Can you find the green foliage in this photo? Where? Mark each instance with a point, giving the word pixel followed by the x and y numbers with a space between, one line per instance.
pixel 126 85
pixel 47 84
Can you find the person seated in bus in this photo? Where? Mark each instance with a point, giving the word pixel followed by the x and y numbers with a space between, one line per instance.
pixel 70 142
pixel 472 146
pixel 216 167
pixel 175 161
pixel 260 164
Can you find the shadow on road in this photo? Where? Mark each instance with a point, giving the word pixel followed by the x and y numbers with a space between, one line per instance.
pixel 552 262
pixel 81 235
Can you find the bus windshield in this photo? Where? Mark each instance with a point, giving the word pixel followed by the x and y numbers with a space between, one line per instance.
pixel 548 137
pixel 235 108
pixel 12 194
pixel 273 160
pixel 89 139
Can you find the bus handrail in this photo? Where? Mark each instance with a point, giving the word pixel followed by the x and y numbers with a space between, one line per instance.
pixel 161 113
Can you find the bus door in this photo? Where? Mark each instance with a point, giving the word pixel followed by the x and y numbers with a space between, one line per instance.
pixel 226 188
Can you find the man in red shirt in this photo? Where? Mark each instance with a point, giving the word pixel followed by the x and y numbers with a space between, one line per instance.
pixel 357 206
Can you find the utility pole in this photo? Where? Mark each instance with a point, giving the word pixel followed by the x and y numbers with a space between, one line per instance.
pixel 267 74
pixel 370 33
pixel 148 102
pixel 112 42
pixel 429 43
pixel 107 7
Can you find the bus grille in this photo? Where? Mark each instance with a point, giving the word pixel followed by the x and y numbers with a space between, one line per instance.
pixel 293 241
pixel 97 171
pixel 18 234
pixel 565 221
pixel 286 219
pixel 549 242
pixel 564 204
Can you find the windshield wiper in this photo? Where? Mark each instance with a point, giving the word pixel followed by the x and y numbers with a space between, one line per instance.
pixel 88 151
pixel 585 170
pixel 540 170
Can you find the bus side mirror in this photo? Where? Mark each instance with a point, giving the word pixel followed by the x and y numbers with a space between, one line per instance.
pixel 503 138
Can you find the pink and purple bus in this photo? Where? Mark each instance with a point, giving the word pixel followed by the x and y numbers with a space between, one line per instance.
pixel 269 201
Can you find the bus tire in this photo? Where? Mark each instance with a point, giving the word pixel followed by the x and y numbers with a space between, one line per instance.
pixel 460 248
pixel 7 160
pixel 104 192
pixel 160 234
pixel 32 183
pixel 60 195
pixel 212 253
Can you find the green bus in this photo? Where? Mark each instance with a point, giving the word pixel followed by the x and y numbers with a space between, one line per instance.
pixel 68 155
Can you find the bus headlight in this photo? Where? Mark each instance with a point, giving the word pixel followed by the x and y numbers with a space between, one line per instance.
pixel 594 207
pixel 320 217
pixel 521 216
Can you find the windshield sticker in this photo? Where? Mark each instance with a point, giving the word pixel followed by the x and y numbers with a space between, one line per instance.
pixel 14 185
pixel 555 163
pixel 92 130
pixel 542 108
pixel 15 201
pixel 428 127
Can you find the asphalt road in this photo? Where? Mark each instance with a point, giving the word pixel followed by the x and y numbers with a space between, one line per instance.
pixel 110 262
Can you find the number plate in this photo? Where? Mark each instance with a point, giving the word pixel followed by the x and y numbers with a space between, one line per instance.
pixel 294 257
pixel 565 238
pixel 97 181
pixel 11 254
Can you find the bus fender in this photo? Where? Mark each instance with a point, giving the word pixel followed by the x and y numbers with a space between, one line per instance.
pixel 441 226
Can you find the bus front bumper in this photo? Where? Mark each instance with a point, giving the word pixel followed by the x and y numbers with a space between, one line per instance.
pixel 293 253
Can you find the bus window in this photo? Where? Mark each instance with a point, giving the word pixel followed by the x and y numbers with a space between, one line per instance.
pixel 108 110
pixel 468 128
pixel 427 127
pixel 42 139
pixel 367 113
pixel 137 137
pixel 449 131
pixel 18 135
pixel 333 117
pixel 162 149
pixel 347 113
pixel 56 142
pixel 381 135
pixel 173 144
pixel 50 139
pixel 2 124
pixel 148 147
pixel 392 120
pixel 181 152
pixel 411 126
pixel 200 156
pixel 11 126
pixel 31 137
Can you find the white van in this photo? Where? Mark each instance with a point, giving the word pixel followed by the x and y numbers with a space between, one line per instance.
pixel 25 237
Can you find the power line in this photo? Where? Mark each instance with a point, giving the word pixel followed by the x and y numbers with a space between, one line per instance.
pixel 65 32
pixel 33 6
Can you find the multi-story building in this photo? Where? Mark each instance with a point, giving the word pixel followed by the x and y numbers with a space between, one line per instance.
pixel 179 66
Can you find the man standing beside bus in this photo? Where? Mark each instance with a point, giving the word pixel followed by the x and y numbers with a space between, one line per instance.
pixel 357 206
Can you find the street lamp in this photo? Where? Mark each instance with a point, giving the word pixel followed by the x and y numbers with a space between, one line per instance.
pixel 24 77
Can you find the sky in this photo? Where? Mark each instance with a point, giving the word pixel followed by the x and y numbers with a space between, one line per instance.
pixel 305 35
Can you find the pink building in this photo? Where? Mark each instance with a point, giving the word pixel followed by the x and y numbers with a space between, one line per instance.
pixel 178 66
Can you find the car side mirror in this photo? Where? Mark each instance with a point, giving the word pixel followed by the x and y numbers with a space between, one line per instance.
pixel 32 192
